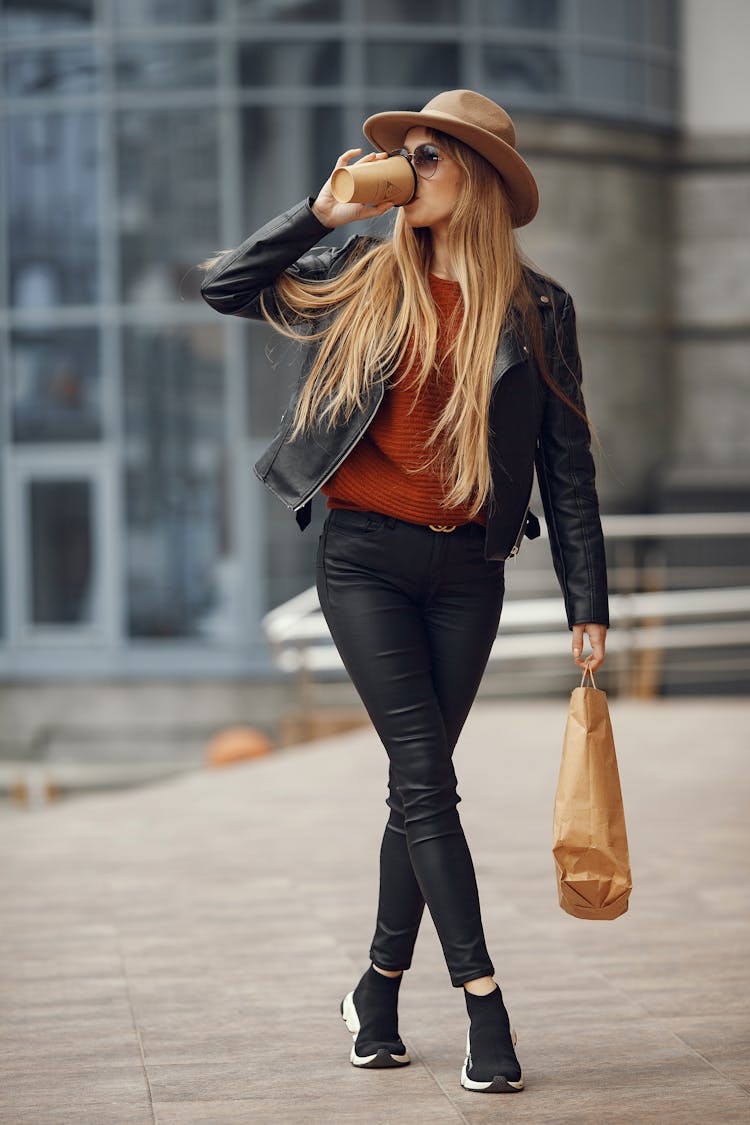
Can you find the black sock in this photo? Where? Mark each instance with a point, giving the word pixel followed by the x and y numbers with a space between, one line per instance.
pixel 491 1046
pixel 376 1001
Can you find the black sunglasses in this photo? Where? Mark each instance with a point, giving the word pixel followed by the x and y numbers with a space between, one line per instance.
pixel 424 160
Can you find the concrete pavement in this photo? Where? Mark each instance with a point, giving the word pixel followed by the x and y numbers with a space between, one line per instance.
pixel 176 954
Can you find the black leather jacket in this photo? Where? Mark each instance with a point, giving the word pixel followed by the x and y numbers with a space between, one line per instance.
pixel 529 424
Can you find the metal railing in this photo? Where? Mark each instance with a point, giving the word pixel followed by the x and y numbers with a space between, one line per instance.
pixel 647 617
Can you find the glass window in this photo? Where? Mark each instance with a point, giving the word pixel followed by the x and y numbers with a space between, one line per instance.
pixel 3 385
pixel 617 19
pixel 52 211
pixel 55 384
pixel 385 101
pixel 415 11
pixel 605 81
pixel 164 11
pixel 23 17
pixel 661 18
pixel 288 153
pixel 412 64
pixel 289 557
pixel 62 584
pixel 168 203
pixel 661 88
pixel 313 63
pixel 176 482
pixel 273 367
pixel 59 70
pixel 521 70
pixel 160 66
pixel 522 13
pixel 285 11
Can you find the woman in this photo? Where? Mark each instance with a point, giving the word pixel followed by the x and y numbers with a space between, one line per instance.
pixel 440 370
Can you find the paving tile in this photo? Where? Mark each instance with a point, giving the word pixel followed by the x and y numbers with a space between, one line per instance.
pixel 83 1042
pixel 46 966
pixel 392 1109
pixel 125 929
pixel 61 1112
pixel 69 1083
pixel 724 1041
pixel 55 989
pixel 267 1076
pixel 545 1103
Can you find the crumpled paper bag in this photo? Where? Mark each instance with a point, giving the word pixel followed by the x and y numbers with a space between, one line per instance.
pixel 590 843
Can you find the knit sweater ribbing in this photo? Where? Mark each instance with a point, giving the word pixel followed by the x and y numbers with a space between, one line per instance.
pixel 385 472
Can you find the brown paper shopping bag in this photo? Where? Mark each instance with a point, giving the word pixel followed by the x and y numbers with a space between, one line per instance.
pixel 590 844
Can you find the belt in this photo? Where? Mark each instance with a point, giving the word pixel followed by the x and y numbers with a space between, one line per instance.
pixel 470 528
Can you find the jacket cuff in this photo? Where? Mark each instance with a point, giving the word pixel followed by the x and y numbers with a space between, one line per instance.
pixel 308 205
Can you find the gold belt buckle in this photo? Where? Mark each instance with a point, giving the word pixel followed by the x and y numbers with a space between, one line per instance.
pixel 443 527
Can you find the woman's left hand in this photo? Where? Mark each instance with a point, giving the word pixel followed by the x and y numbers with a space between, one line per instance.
pixel 598 638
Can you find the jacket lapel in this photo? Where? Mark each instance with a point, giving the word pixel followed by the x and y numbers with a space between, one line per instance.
pixel 510 351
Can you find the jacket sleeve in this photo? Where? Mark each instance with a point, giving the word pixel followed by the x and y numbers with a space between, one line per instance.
pixel 566 473
pixel 235 283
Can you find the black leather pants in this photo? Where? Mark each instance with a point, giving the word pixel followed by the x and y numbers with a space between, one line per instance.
pixel 414 613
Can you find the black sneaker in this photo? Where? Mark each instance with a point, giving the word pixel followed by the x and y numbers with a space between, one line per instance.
pixel 491 1066
pixel 370 1013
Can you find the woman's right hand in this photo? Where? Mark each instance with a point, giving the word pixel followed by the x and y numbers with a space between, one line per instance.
pixel 331 213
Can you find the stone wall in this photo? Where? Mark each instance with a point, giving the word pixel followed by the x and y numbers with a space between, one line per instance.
pixel 651 235
pixel 711 450
pixel 605 231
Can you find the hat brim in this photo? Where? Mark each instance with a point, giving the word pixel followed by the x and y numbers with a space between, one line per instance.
pixel 387 131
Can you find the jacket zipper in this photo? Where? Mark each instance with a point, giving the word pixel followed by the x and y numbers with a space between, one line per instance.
pixel 342 458
pixel 519 538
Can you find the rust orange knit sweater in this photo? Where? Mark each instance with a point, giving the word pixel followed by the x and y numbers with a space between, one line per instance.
pixel 379 474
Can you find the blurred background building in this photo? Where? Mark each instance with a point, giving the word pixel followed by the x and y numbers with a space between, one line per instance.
pixel 139 136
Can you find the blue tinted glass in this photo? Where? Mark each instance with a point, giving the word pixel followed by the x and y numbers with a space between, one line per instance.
pixel 412 64
pixel 521 13
pixel 164 11
pixel 63 564
pixel 160 66
pixel 415 11
pixel 522 70
pixel 57 70
pixel 288 153
pixel 661 19
pixel 290 64
pixel 288 557
pixel 661 87
pixel 615 19
pixel 167 209
pixel 176 480
pixel 273 367
pixel 607 81
pixel 52 217
pixel 55 384
pixel 23 17
pixel 286 11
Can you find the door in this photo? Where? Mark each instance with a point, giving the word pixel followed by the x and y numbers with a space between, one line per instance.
pixel 59 549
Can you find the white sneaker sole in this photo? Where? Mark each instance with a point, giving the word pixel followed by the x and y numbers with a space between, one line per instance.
pixel 381 1058
pixel 498 1085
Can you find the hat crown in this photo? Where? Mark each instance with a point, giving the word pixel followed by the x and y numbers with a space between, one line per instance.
pixel 477 122
pixel 474 109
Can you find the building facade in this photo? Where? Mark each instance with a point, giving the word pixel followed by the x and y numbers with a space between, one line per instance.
pixel 140 136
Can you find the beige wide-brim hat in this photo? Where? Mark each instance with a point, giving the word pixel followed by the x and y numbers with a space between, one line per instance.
pixel 479 123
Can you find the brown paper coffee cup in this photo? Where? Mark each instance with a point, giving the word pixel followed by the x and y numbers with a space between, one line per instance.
pixel 378 181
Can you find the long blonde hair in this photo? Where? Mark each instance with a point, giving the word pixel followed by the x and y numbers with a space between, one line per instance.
pixel 384 316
